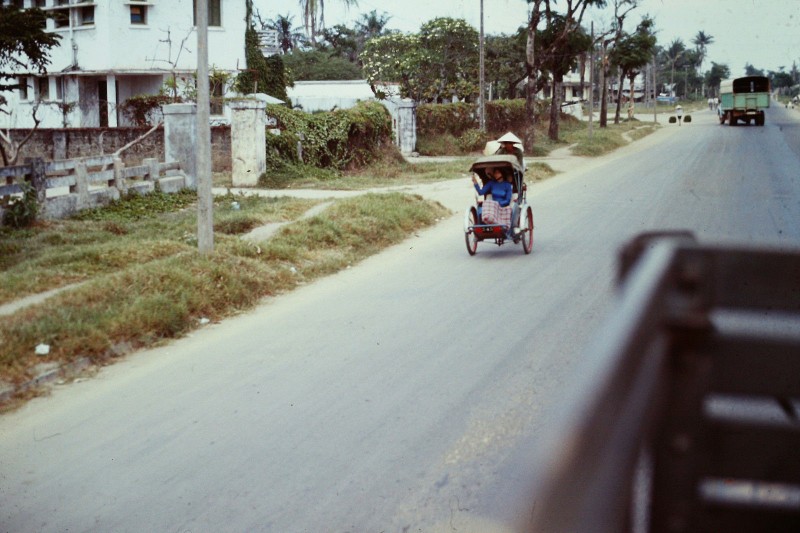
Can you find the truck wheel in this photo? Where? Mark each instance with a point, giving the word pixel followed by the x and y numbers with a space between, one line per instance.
pixel 731 119
pixel 760 119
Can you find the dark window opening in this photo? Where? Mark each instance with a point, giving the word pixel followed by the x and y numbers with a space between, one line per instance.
pixel 214 12
pixel 138 14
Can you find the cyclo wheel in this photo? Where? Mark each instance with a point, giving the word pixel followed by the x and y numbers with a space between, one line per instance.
pixel 470 237
pixel 527 238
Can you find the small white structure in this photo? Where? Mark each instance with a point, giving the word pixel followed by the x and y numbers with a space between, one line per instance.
pixel 112 50
pixel 313 96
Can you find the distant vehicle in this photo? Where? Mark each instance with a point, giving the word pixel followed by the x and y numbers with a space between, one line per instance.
pixel 743 99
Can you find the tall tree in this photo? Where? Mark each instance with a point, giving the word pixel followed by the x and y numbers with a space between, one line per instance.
pixel 558 65
pixel 24 47
pixel 288 37
pixel 314 16
pixel 24 44
pixel 701 42
pixel 714 76
pixel 505 63
pixel 630 55
pixel 541 11
pixel 607 43
pixel 673 55
pixel 438 64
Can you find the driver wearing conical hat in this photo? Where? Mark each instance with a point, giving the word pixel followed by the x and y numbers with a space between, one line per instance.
pixel 510 144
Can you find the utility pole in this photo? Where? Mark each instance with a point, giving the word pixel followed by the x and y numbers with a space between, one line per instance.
pixel 655 92
pixel 205 203
pixel 482 97
pixel 591 85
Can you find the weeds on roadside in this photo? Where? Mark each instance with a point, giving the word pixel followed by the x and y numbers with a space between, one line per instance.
pixel 146 284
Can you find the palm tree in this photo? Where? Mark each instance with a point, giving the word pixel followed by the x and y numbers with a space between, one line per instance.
pixel 314 16
pixel 673 54
pixel 288 37
pixel 701 40
pixel 371 24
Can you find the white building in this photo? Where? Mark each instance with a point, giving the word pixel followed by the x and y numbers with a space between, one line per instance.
pixel 111 50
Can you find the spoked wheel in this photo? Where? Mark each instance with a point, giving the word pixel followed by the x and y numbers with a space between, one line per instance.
pixel 527 237
pixel 470 237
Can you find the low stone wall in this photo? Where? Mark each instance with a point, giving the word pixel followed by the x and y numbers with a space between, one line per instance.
pixel 72 143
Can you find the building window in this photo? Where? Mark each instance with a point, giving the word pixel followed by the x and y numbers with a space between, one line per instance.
pixel 86 16
pixel 23 88
pixel 40 3
pixel 59 89
pixel 44 88
pixel 19 4
pixel 61 19
pixel 138 14
pixel 214 12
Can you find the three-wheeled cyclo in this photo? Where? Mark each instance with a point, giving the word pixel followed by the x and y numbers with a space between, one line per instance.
pixel 486 220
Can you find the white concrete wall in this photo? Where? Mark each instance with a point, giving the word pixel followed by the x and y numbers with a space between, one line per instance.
pixel 130 58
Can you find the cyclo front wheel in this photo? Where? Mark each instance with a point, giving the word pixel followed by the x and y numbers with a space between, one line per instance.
pixel 527 237
pixel 470 237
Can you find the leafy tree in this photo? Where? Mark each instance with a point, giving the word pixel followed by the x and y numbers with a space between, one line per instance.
pixel 558 65
pixel 505 62
pixel 438 64
pixel 288 37
pixel 24 43
pixel 630 54
pixel 781 80
pixel 750 70
pixel 536 56
pixel 24 46
pixel 340 41
pixel 264 75
pixel 714 76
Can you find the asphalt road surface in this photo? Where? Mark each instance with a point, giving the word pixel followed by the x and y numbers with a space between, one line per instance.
pixel 405 394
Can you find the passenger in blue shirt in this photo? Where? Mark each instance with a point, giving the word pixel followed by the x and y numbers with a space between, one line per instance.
pixel 500 189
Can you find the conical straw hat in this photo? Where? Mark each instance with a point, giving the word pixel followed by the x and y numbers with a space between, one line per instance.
pixel 509 138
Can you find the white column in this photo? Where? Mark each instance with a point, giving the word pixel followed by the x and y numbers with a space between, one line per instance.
pixel 111 96
pixel 248 141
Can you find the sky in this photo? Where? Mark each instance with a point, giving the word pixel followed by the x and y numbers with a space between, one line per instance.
pixel 763 33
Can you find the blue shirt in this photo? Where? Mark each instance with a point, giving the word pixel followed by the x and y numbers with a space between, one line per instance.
pixel 501 191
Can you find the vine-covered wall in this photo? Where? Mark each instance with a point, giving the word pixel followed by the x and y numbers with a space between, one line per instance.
pixel 339 139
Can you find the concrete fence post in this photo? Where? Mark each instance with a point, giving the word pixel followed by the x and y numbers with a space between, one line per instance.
pixel 120 182
pixel 180 139
pixel 38 180
pixel 152 169
pixel 81 187
pixel 248 141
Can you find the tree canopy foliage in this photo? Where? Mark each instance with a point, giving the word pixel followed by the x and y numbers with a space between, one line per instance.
pixel 438 64
pixel 24 44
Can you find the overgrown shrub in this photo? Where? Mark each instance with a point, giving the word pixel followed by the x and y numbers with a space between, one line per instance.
pixel 433 119
pixel 339 139
pixel 21 211
pixel 141 109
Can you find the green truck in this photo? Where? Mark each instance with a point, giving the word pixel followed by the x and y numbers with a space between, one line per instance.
pixel 743 99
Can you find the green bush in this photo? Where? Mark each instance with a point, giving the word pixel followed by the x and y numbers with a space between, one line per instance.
pixel 21 212
pixel 340 139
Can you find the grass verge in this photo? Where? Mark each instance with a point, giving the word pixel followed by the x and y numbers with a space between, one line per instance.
pixel 144 281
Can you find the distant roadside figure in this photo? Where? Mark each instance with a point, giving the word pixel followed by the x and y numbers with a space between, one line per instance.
pixel 679 114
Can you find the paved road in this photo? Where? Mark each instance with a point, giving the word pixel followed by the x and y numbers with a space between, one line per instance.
pixel 405 394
